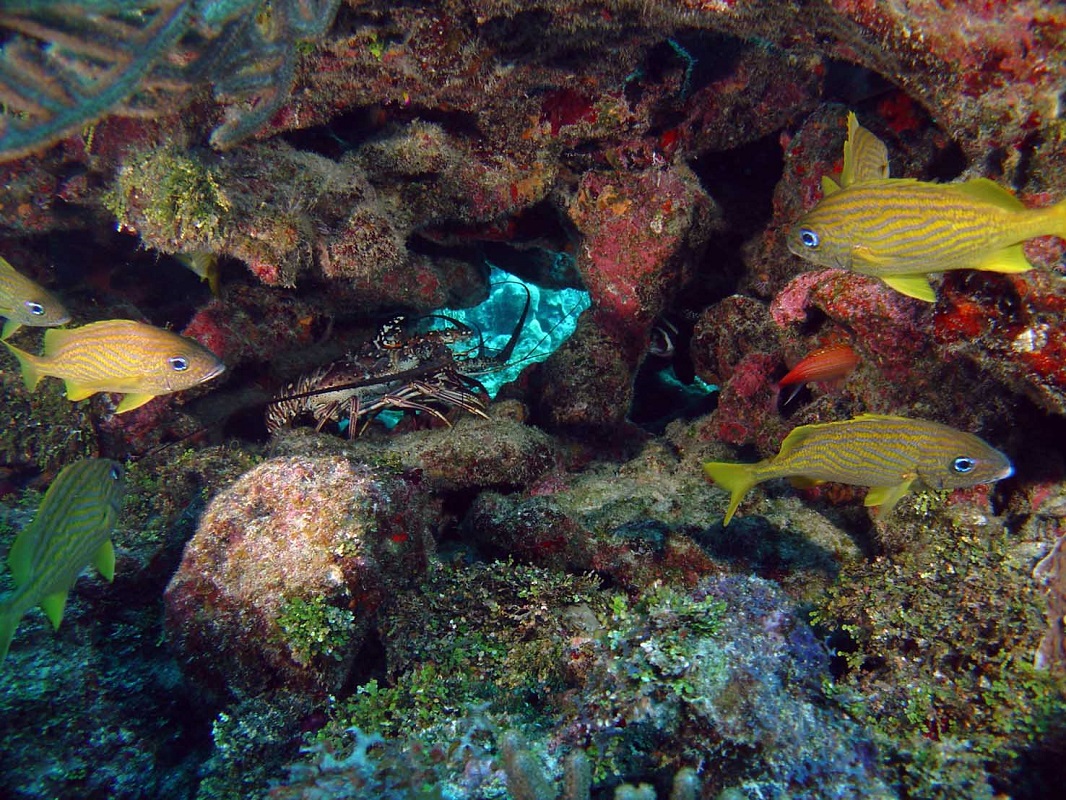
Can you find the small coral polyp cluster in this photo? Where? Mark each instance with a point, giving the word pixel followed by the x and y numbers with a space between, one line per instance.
pixel 442 529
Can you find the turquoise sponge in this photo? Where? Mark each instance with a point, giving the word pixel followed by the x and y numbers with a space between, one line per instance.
pixel 552 319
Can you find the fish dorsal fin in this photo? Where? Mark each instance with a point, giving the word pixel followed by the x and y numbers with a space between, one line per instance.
pixel 53 605
pixel 800 434
pixel 1009 259
pixel 865 156
pixel 887 496
pixel 990 192
pixel 882 417
pixel 796 438
pixel 55 338
pixel 104 560
pixel 916 286
pixel 829 186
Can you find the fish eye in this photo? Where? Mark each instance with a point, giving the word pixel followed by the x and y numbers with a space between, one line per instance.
pixel 116 473
pixel 808 238
pixel 178 363
pixel 963 465
pixel 34 308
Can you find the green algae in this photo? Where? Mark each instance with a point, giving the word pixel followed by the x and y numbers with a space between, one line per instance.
pixel 314 628
pixel 164 493
pixel 168 195
pixel 43 429
pixel 487 633
pixel 936 645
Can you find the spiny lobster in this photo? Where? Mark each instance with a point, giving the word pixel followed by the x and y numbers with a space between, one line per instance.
pixel 395 370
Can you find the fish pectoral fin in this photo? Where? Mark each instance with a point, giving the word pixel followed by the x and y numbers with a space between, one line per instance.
pixel 801 482
pixel 829 186
pixel 863 260
pixel 9 328
pixel 132 401
pixel 104 560
pixel 887 496
pixel 53 605
pixel 1009 259
pixel 916 286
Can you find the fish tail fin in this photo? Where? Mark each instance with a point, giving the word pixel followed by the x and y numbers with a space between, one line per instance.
pixel 737 478
pixel 30 374
pixel 1059 214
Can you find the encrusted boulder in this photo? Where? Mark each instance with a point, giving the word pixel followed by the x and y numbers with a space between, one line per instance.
pixel 280 584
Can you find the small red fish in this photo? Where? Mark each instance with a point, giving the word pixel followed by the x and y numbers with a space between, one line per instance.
pixel 824 364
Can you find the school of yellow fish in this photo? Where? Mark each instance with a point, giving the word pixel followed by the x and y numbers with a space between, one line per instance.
pixel 897 229
pixel 73 525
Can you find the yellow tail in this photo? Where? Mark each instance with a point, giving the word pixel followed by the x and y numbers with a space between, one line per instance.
pixel 28 362
pixel 737 478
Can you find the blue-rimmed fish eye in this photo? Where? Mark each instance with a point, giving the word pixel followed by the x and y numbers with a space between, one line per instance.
pixel 34 308
pixel 808 238
pixel 178 363
pixel 963 465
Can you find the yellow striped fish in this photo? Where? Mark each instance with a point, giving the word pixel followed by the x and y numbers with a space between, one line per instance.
pixel 23 302
pixel 203 263
pixel 72 529
pixel 900 230
pixel 119 355
pixel 891 455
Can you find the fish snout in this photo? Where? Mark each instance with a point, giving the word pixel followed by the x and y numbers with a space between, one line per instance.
pixel 214 372
pixel 794 245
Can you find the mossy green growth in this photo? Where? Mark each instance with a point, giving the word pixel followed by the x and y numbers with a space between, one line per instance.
pixel 937 644
pixel 163 492
pixel 42 428
pixel 314 628
pixel 172 198
pixel 484 634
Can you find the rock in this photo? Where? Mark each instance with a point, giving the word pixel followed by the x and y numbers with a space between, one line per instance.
pixel 280 584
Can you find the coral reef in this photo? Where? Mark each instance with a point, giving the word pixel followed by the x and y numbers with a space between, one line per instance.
pixel 633 673
pixel 954 698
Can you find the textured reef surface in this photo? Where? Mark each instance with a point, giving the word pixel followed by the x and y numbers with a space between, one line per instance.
pixel 492 282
